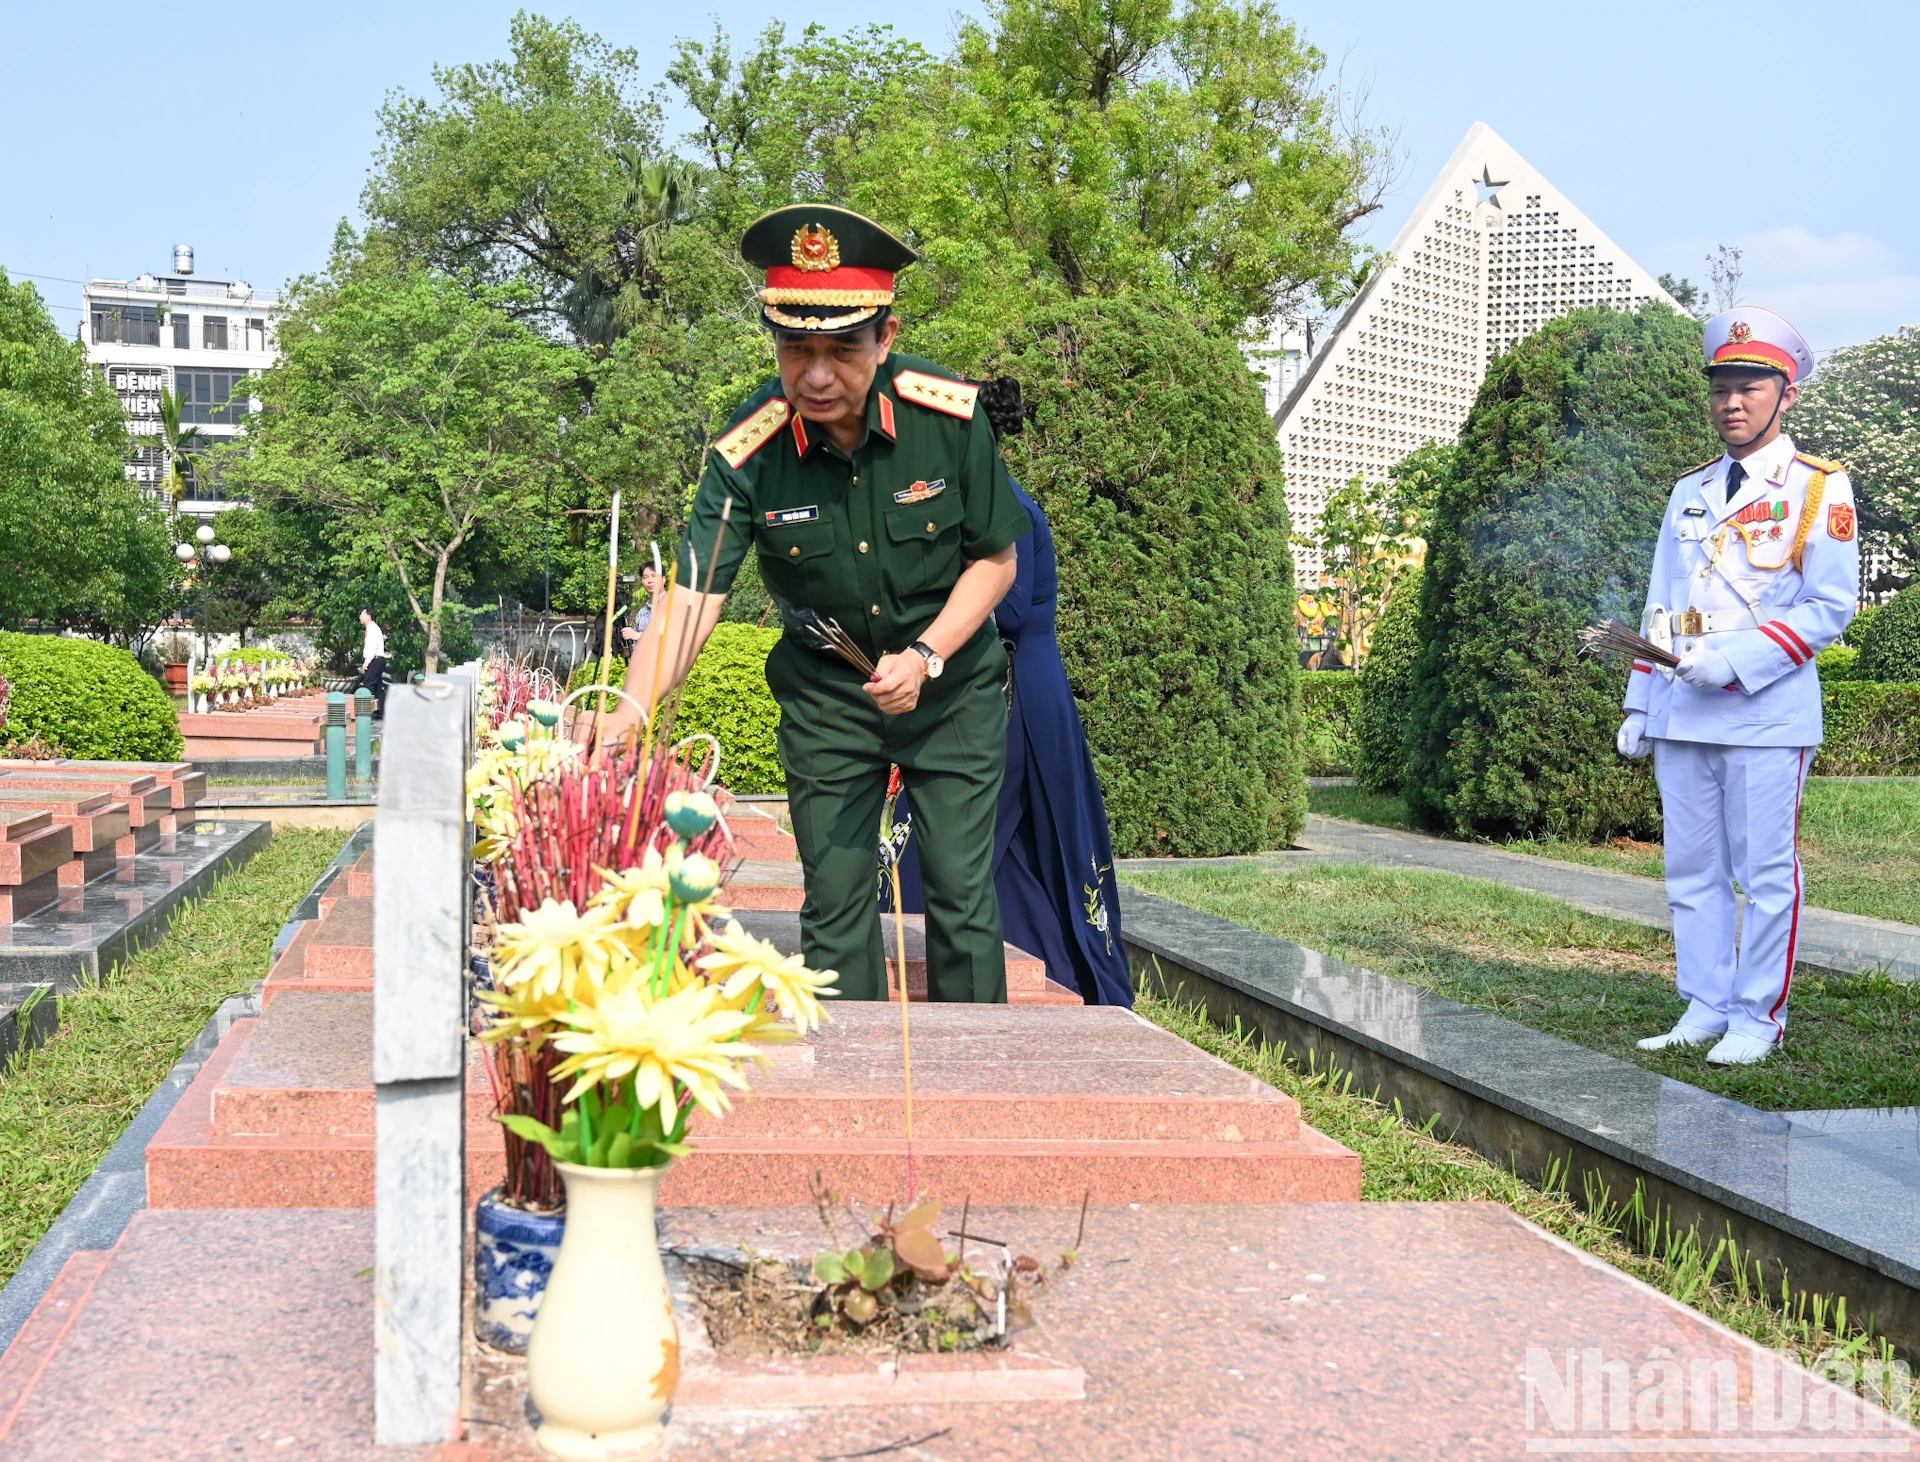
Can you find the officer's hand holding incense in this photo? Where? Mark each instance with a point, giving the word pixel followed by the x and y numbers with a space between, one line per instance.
pixel 984 583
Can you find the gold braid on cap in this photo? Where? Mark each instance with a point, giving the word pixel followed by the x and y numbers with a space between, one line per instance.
pixel 803 322
pixel 826 296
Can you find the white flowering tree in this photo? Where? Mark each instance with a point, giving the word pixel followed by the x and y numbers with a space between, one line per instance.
pixel 1864 409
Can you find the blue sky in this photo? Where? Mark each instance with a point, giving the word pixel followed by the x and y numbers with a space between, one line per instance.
pixel 1780 128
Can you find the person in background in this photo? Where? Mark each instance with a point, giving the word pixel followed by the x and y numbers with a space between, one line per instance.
pixel 373 664
pixel 1052 854
pixel 1756 570
pixel 653 581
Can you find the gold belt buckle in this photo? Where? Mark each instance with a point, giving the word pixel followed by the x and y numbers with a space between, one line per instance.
pixel 1691 623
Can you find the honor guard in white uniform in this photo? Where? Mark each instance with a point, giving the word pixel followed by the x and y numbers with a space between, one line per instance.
pixel 1756 571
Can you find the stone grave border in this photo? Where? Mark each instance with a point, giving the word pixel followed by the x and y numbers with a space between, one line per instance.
pixel 1527 1101
pixel 100 1209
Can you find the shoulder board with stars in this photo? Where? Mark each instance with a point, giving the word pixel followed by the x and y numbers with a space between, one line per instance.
pixel 956 398
pixel 1818 464
pixel 753 433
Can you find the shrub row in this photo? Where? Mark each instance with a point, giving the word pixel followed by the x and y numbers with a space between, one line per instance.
pixel 726 698
pixel 1329 702
pixel 89 699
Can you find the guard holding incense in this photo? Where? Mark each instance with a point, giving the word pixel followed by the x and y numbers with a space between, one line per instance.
pixel 870 486
pixel 1757 569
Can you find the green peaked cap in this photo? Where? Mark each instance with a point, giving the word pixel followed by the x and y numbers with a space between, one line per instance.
pixel 829 269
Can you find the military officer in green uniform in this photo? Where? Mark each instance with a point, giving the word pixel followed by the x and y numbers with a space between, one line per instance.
pixel 873 493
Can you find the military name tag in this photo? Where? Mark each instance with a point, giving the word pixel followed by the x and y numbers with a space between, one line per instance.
pixel 780 517
pixel 921 491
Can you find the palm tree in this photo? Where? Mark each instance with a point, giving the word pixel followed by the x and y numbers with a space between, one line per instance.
pixel 609 297
pixel 179 443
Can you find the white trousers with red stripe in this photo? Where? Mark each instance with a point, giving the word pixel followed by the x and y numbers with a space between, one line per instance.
pixel 1733 812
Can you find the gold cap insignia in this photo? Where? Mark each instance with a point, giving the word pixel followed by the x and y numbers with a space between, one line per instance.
pixel 1740 334
pixel 815 249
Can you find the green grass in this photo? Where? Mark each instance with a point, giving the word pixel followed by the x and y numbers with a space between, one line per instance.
pixel 1853 1041
pixel 1402 1163
pixel 1859 843
pixel 271 781
pixel 62 1106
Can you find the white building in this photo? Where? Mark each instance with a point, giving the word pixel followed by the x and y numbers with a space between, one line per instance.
pixel 198 338
pixel 1492 253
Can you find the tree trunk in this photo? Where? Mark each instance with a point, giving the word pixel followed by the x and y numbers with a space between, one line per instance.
pixel 433 621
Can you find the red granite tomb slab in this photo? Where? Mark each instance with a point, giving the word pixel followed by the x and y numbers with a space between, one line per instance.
pixel 141 838
pixel 147 800
pixel 98 820
pixel 17 900
pixel 1232 1334
pixel 341 949
pixel 188 786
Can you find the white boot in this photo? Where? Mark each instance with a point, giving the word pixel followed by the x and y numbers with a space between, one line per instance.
pixel 1681 1035
pixel 1737 1050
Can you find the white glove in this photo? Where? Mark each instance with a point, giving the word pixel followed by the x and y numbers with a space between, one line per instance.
pixel 1705 669
pixel 1632 741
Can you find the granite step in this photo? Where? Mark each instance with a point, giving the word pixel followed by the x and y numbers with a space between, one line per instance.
pixel 95 819
pixel 1047 1105
pixel 333 952
pixel 148 800
pixel 186 782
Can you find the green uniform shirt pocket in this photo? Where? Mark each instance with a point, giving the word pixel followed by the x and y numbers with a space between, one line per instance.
pixel 924 544
pixel 794 557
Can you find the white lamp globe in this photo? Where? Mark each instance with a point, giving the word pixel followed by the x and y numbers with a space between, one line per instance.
pixel 183 552
pixel 221 553
pixel 204 532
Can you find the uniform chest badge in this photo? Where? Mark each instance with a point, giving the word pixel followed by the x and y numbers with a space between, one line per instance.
pixel 1840 522
pixel 780 517
pixel 921 491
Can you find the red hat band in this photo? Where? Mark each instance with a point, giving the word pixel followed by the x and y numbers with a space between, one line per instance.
pixel 846 285
pixel 1756 353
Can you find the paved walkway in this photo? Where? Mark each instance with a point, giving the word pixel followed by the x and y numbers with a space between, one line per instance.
pixel 1829 940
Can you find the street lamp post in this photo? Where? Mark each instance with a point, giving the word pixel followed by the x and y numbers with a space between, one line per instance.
pixel 213 553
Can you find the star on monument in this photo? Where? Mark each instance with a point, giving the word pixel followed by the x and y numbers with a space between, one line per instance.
pixel 1489 189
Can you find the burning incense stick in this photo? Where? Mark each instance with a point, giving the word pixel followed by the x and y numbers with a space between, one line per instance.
pixel 1611 638
pixel 828 635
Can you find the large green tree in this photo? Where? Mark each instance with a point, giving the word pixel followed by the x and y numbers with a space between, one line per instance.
pixel 80 545
pixel 415 412
pixel 1066 148
pixel 1864 409
pixel 1567 460
pixel 1151 453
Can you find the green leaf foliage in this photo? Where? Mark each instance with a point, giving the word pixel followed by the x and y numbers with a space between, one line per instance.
pixel 1890 649
pixel 726 697
pixel 1863 408
pixel 1149 449
pixel 79 544
pixel 1329 704
pixel 1386 687
pixel 1873 729
pixel 88 698
pixel 1567 461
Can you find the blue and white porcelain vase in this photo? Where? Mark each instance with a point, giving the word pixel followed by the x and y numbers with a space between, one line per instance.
pixel 513 1254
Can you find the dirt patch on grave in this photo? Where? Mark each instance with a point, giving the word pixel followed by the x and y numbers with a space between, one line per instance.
pixel 774 1308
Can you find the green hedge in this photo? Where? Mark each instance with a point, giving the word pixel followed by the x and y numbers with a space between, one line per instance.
pixel 1329 707
pixel 1149 448
pixel 1567 460
pixel 1386 687
pixel 1873 730
pixel 91 700
pixel 1890 646
pixel 726 698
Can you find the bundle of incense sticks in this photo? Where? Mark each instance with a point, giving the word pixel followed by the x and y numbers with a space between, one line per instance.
pixel 827 633
pixel 1611 638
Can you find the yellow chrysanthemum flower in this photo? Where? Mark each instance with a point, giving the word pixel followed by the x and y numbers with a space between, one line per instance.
pixel 740 961
pixel 684 1042
pixel 637 896
pixel 524 1009
pixel 555 947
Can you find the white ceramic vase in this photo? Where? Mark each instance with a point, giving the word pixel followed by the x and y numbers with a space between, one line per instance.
pixel 604 1357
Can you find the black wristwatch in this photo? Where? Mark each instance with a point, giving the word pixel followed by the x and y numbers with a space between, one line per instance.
pixel 935 664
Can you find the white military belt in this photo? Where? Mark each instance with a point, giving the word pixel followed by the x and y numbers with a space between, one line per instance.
pixel 1694 622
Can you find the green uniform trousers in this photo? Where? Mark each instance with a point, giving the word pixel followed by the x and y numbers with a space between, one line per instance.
pixel 837 747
